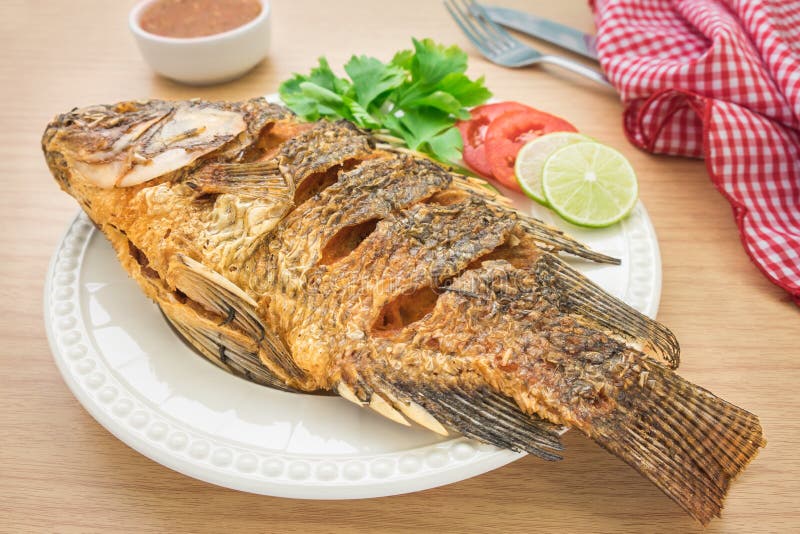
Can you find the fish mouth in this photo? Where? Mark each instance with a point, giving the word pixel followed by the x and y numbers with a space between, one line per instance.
pixel 241 376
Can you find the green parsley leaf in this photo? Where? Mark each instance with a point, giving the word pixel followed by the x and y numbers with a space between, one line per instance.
pixel 329 104
pixel 446 146
pixel 403 59
pixel 324 77
pixel 293 97
pixel 360 115
pixel 417 96
pixel 372 78
pixel 432 61
pixel 470 93
pixel 441 101
pixel 420 125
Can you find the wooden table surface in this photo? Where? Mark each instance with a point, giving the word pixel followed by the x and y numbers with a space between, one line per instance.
pixel 61 471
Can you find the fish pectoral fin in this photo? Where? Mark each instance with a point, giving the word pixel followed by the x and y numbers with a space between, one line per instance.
pixel 573 293
pixel 225 347
pixel 477 412
pixel 236 308
pixel 260 179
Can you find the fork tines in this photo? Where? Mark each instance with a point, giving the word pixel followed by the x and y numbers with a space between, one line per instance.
pixel 487 36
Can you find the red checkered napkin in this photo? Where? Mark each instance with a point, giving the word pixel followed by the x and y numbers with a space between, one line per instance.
pixel 719 79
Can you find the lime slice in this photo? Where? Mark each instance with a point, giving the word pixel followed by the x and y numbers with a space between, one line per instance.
pixel 589 184
pixel 531 158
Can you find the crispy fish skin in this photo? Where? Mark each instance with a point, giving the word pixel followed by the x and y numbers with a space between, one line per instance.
pixel 303 257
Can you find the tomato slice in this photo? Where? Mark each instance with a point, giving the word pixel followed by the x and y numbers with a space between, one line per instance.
pixel 506 135
pixel 473 132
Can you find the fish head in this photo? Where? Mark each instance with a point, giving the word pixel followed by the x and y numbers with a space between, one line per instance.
pixel 130 143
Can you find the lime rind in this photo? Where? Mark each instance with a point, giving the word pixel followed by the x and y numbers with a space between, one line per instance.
pixel 589 184
pixel 532 157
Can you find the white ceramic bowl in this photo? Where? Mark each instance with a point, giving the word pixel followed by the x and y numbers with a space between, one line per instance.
pixel 204 60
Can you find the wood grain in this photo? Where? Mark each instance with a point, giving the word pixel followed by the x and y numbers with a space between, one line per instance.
pixel 61 471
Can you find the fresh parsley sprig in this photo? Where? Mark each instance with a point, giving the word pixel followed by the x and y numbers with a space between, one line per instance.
pixel 416 97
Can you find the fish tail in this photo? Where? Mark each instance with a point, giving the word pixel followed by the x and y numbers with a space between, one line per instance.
pixel 684 439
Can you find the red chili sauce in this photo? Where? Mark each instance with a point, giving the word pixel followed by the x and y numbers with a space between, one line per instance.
pixel 196 18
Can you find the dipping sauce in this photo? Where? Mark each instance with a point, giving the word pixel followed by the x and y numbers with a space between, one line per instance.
pixel 197 18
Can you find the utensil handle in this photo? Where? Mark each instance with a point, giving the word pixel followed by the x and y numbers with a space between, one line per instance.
pixel 577 68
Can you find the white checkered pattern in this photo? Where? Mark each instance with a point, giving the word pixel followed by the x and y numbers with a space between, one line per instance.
pixel 719 79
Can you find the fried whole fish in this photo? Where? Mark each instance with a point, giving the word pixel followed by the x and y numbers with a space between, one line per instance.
pixel 306 257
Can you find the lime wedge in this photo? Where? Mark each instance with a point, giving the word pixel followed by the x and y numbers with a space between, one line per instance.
pixel 531 158
pixel 589 184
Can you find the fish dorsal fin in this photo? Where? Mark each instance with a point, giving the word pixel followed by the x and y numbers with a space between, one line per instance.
pixel 573 293
pixel 554 240
pixel 220 296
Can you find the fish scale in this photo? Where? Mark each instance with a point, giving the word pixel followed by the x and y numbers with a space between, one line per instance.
pixel 306 257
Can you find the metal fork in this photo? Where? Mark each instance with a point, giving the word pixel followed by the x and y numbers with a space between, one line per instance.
pixel 499 46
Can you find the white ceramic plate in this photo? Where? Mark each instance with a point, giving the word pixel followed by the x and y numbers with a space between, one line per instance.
pixel 135 377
